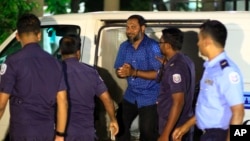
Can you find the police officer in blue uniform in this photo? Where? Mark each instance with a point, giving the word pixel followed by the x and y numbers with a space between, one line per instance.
pixel 33 82
pixel 220 101
pixel 84 83
pixel 177 85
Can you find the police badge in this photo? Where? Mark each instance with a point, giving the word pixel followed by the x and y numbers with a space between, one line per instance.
pixel 176 78
pixel 3 68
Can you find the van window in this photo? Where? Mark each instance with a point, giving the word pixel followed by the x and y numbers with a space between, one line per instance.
pixel 49 42
pixel 13 47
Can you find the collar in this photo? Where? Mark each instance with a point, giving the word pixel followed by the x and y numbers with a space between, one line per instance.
pixel 217 59
pixel 32 44
pixel 71 59
pixel 171 61
pixel 177 55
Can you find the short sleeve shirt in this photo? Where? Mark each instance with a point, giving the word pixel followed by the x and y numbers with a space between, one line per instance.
pixel 221 87
pixel 32 77
pixel 84 83
pixel 178 76
pixel 141 91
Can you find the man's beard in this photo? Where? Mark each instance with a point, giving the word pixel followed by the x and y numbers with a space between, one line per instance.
pixel 134 39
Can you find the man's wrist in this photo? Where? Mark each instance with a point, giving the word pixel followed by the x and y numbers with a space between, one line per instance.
pixel 61 134
pixel 134 74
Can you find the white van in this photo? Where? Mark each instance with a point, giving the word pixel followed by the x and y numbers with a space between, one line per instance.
pixel 102 33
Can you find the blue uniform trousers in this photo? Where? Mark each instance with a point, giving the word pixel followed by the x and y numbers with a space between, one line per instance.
pixel 214 134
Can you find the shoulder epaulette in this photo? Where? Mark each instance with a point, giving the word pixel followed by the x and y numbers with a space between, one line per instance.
pixel 223 64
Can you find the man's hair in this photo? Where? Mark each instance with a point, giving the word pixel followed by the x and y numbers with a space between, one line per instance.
pixel 70 44
pixel 174 37
pixel 140 19
pixel 216 30
pixel 28 23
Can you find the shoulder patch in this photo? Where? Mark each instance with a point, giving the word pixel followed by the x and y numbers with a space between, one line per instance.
pixel 234 77
pixel 176 78
pixel 223 64
pixel 3 68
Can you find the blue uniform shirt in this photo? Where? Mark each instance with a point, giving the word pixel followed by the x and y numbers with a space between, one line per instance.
pixel 221 87
pixel 32 77
pixel 84 83
pixel 141 91
pixel 179 76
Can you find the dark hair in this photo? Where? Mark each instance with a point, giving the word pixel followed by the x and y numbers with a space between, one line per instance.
pixel 216 30
pixel 70 44
pixel 28 23
pixel 174 37
pixel 77 39
pixel 140 19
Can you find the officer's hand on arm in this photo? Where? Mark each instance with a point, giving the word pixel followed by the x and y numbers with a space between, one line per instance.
pixel 62 114
pixel 182 130
pixel 4 97
pixel 161 59
pixel 178 133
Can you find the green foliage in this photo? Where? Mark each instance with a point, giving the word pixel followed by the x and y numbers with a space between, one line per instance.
pixel 136 5
pixel 57 6
pixel 12 9
pixel 10 12
pixel 94 5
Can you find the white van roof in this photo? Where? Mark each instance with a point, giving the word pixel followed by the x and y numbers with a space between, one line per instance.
pixel 116 15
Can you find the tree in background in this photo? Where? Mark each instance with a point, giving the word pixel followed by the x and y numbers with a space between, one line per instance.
pixel 210 5
pixel 57 6
pixel 60 6
pixel 94 5
pixel 178 5
pixel 125 5
pixel 11 9
pixel 160 5
pixel 136 5
pixel 74 6
pixel 10 12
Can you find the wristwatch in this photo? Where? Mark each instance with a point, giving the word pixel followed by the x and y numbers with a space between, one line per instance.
pixel 61 134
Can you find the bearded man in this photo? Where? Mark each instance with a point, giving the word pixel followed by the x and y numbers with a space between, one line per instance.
pixel 136 61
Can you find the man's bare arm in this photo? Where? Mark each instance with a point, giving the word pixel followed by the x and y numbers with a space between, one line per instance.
pixel 237 116
pixel 109 106
pixel 4 97
pixel 175 111
pixel 62 111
